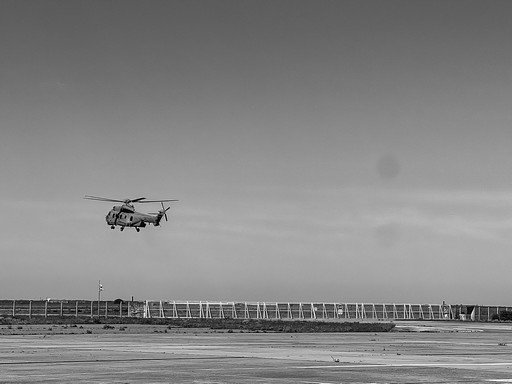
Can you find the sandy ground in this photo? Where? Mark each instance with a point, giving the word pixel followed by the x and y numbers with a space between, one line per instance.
pixel 427 353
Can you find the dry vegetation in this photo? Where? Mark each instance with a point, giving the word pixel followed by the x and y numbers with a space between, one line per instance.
pixel 87 325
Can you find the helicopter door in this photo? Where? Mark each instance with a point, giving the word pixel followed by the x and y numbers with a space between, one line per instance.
pixel 111 217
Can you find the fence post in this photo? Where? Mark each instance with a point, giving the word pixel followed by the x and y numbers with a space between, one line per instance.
pixel 91 309
pixel 13 308
pixel 106 309
pixel 61 309
pixel 30 309
pixel 76 308
pixel 46 308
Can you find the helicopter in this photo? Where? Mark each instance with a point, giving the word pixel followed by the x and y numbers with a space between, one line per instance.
pixel 126 216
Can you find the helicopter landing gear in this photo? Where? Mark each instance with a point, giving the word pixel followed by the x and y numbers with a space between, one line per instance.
pixel 112 227
pixel 137 229
pixel 122 228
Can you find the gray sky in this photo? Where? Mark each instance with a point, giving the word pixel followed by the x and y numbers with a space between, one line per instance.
pixel 321 150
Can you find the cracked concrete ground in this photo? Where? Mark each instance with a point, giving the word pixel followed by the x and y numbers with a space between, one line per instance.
pixel 426 352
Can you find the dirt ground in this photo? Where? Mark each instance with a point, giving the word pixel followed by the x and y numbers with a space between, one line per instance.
pixel 416 353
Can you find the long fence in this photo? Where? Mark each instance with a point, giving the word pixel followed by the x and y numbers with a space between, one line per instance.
pixel 71 308
pixel 247 310
pixel 319 311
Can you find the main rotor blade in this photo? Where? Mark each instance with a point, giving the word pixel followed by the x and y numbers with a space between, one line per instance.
pixel 137 200
pixel 102 199
pixel 156 201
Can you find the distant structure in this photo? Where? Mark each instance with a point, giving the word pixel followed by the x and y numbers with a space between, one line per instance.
pixel 249 310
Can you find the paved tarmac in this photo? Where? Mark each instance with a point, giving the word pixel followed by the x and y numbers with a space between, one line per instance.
pixel 429 353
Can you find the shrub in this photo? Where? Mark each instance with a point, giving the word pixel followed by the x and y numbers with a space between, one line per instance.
pixel 504 316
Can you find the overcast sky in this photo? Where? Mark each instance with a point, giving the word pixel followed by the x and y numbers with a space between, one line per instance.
pixel 321 150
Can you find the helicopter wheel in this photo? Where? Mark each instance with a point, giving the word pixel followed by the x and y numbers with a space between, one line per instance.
pixel 112 227
pixel 122 228
pixel 137 229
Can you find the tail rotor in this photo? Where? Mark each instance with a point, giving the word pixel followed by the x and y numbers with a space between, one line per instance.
pixel 161 213
pixel 164 210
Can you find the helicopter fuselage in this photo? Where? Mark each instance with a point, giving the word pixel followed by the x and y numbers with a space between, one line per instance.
pixel 126 216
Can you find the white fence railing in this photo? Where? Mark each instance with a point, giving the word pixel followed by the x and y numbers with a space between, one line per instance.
pixel 316 310
pixel 247 310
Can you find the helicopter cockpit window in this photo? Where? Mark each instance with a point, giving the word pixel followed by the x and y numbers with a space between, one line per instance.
pixel 131 218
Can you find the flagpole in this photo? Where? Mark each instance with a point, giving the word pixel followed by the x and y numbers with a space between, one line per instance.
pixel 100 288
